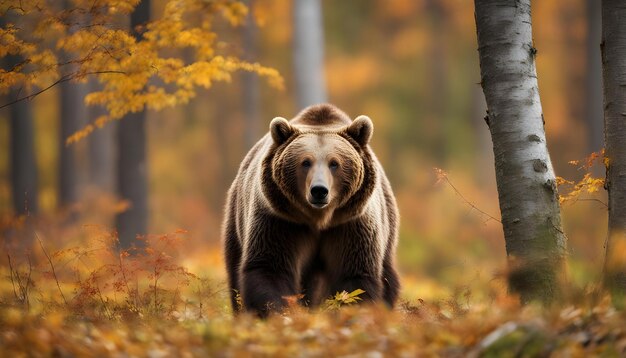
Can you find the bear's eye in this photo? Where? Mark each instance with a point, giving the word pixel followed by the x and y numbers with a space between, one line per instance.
pixel 333 165
pixel 306 163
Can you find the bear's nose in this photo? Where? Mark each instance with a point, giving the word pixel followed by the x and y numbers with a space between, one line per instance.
pixel 319 192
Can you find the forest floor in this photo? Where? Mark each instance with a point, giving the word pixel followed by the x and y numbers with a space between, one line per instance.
pixel 410 330
pixel 89 300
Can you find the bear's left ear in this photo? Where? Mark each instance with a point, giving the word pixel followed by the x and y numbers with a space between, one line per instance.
pixel 281 130
pixel 361 130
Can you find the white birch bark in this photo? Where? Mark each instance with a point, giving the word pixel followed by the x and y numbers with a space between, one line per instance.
pixel 614 75
pixel 308 45
pixel 535 243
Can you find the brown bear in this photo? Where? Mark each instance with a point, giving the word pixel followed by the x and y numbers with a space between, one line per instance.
pixel 311 212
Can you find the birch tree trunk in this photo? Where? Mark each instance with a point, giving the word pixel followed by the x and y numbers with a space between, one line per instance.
pixel 614 75
pixel 132 163
pixel 308 45
pixel 535 243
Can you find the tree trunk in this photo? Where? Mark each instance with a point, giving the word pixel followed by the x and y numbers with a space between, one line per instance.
pixel 438 82
pixel 614 75
pixel 72 115
pixel 23 163
pixel 250 82
pixel 593 78
pixel 535 243
pixel 101 173
pixel 132 169
pixel 308 45
pixel 484 153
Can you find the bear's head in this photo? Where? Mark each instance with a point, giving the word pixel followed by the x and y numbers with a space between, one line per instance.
pixel 320 171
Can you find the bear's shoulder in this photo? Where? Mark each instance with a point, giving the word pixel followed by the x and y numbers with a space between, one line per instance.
pixel 321 115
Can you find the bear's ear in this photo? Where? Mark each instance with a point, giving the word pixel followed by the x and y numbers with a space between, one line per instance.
pixel 281 130
pixel 361 130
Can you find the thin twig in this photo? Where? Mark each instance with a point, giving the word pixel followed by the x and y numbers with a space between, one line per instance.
pixel 592 199
pixel 79 256
pixel 20 285
pixel 105 306
pixel 54 274
pixel 23 296
pixel 445 177
pixel 12 280
pixel 59 81
pixel 128 291
pixel 28 280
pixel 156 282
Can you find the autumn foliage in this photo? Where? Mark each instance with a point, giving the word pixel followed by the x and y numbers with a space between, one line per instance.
pixel 589 184
pixel 173 56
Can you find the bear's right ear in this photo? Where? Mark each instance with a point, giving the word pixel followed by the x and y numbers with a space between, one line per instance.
pixel 281 130
pixel 361 130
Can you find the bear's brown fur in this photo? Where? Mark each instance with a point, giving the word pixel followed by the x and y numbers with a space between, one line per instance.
pixel 311 211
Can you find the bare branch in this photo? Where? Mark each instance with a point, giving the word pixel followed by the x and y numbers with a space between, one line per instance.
pixel 60 80
pixel 11 270
pixel 467 202
pixel 592 199
pixel 54 274
pixel 28 281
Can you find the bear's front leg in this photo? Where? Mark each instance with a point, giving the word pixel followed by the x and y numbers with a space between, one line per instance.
pixel 270 266
pixel 354 257
pixel 265 284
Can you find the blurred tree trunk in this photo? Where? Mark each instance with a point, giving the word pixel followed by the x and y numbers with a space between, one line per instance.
pixel 132 163
pixel 593 78
pixel 23 161
pixel 438 82
pixel 73 112
pixel 535 243
pixel 614 75
pixel 24 175
pixel 101 170
pixel 250 81
pixel 308 45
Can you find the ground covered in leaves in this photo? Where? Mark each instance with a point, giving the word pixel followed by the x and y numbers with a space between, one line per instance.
pixel 349 331
pixel 89 299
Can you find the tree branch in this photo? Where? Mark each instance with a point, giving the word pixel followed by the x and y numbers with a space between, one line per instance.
pixel 443 176
pixel 60 80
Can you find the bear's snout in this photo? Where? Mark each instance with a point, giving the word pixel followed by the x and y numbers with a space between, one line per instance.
pixel 319 196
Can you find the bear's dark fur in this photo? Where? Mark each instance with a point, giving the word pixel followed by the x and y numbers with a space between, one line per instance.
pixel 311 212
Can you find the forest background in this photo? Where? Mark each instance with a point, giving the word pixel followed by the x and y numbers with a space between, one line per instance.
pixel 412 66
